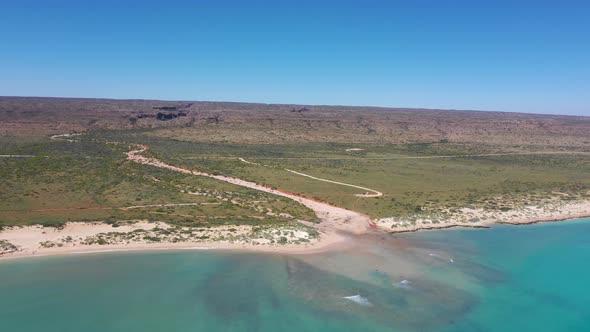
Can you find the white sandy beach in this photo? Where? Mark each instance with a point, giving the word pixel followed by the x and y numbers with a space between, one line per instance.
pixel 81 237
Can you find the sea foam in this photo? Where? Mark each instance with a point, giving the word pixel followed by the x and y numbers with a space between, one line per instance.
pixel 405 284
pixel 358 299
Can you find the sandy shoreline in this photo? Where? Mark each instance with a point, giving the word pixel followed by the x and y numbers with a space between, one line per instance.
pixel 173 247
pixel 83 237
pixel 479 218
pixel 486 225
pixel 29 247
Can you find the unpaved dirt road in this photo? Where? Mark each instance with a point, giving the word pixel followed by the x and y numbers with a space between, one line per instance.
pixel 332 217
pixel 369 193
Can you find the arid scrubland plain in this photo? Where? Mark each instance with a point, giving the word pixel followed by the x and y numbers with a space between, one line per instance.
pixel 67 161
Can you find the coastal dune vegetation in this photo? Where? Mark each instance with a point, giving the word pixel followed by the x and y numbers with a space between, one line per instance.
pixel 64 161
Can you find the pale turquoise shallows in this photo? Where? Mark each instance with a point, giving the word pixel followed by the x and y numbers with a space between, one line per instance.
pixel 508 278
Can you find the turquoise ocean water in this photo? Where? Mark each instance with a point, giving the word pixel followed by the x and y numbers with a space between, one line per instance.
pixel 508 278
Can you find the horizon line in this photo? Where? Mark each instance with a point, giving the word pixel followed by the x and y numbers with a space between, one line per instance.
pixel 298 104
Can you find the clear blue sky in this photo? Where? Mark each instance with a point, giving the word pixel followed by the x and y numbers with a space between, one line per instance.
pixel 527 56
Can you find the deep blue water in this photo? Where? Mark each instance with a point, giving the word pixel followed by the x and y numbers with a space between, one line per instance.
pixel 508 278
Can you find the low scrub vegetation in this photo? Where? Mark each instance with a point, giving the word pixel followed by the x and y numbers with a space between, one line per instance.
pixel 422 161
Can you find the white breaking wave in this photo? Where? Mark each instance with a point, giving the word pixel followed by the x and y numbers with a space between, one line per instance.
pixel 101 251
pixel 358 299
pixel 441 257
pixel 201 248
pixel 405 284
